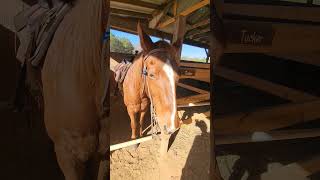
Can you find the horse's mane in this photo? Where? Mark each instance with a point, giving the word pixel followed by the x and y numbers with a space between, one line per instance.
pixel 158 44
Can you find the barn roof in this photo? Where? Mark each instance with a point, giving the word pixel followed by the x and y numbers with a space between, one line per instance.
pixel 158 16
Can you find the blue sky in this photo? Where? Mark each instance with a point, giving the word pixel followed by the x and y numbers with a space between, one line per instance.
pixel 187 50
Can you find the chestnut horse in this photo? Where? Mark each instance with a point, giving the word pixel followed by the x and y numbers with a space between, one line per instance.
pixel 156 83
pixel 74 78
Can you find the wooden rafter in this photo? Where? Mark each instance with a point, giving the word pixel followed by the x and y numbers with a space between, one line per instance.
pixel 269 87
pixel 195 33
pixel 186 12
pixel 276 12
pixel 160 15
pixel 175 7
pixel 199 24
pixel 138 3
pixel 121 12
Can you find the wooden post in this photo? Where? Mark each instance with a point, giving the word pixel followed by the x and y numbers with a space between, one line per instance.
pixel 178 34
pixel 217 50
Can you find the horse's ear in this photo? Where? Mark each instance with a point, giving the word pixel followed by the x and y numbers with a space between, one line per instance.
pixel 145 40
pixel 178 44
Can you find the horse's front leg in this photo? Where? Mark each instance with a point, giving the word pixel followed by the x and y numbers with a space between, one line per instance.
pixel 143 111
pixel 132 114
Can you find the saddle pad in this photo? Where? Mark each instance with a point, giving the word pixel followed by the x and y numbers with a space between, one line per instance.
pixel 121 70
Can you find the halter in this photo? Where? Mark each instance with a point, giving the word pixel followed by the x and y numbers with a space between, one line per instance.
pixel 154 121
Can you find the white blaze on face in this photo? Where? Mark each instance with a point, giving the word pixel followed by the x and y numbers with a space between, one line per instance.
pixel 167 68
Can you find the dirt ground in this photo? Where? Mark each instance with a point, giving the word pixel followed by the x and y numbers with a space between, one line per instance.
pixel 187 158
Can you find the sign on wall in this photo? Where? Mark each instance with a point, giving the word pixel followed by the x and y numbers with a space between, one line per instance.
pixel 257 34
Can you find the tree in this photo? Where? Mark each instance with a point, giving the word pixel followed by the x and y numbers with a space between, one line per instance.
pixel 120 45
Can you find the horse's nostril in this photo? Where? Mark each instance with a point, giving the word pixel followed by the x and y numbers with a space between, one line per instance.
pixel 165 127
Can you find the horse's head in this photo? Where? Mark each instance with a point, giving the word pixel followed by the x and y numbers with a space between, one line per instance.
pixel 161 76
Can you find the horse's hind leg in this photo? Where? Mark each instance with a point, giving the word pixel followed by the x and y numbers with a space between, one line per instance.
pixel 72 168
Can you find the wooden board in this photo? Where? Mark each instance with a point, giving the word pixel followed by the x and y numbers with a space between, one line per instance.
pixel 195 65
pixel 286 37
pixel 192 88
pixel 269 87
pixel 193 99
pixel 256 34
pixel 276 12
pixel 267 136
pixel 266 119
pixel 193 73
pixel 312 58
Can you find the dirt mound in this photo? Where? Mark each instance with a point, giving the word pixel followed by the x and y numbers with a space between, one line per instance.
pixel 187 158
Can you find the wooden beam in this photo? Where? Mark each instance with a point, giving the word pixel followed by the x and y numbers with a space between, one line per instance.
pixel 195 33
pixel 194 7
pixel 276 12
pixel 269 87
pixel 178 35
pixel 137 3
pixel 193 99
pixel 199 24
pixel 312 58
pixel 121 12
pixel 267 136
pixel 186 12
pixel 166 23
pixel 159 16
pixel 195 65
pixel 198 74
pixel 192 88
pixel 266 119
pixel 175 7
pixel 130 25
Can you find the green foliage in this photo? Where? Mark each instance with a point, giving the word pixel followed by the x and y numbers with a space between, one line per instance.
pixel 120 45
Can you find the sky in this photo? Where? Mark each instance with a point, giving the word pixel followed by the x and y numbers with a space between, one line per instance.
pixel 187 50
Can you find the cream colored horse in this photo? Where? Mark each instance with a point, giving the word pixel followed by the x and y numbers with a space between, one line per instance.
pixel 74 85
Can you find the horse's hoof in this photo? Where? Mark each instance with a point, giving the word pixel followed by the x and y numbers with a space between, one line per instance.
pixel 133 147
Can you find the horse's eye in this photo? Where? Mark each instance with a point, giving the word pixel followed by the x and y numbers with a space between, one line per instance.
pixel 152 76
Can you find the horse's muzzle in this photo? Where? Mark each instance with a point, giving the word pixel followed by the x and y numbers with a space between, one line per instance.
pixel 168 131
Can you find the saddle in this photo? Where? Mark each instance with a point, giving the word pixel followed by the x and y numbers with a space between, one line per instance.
pixel 35 28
